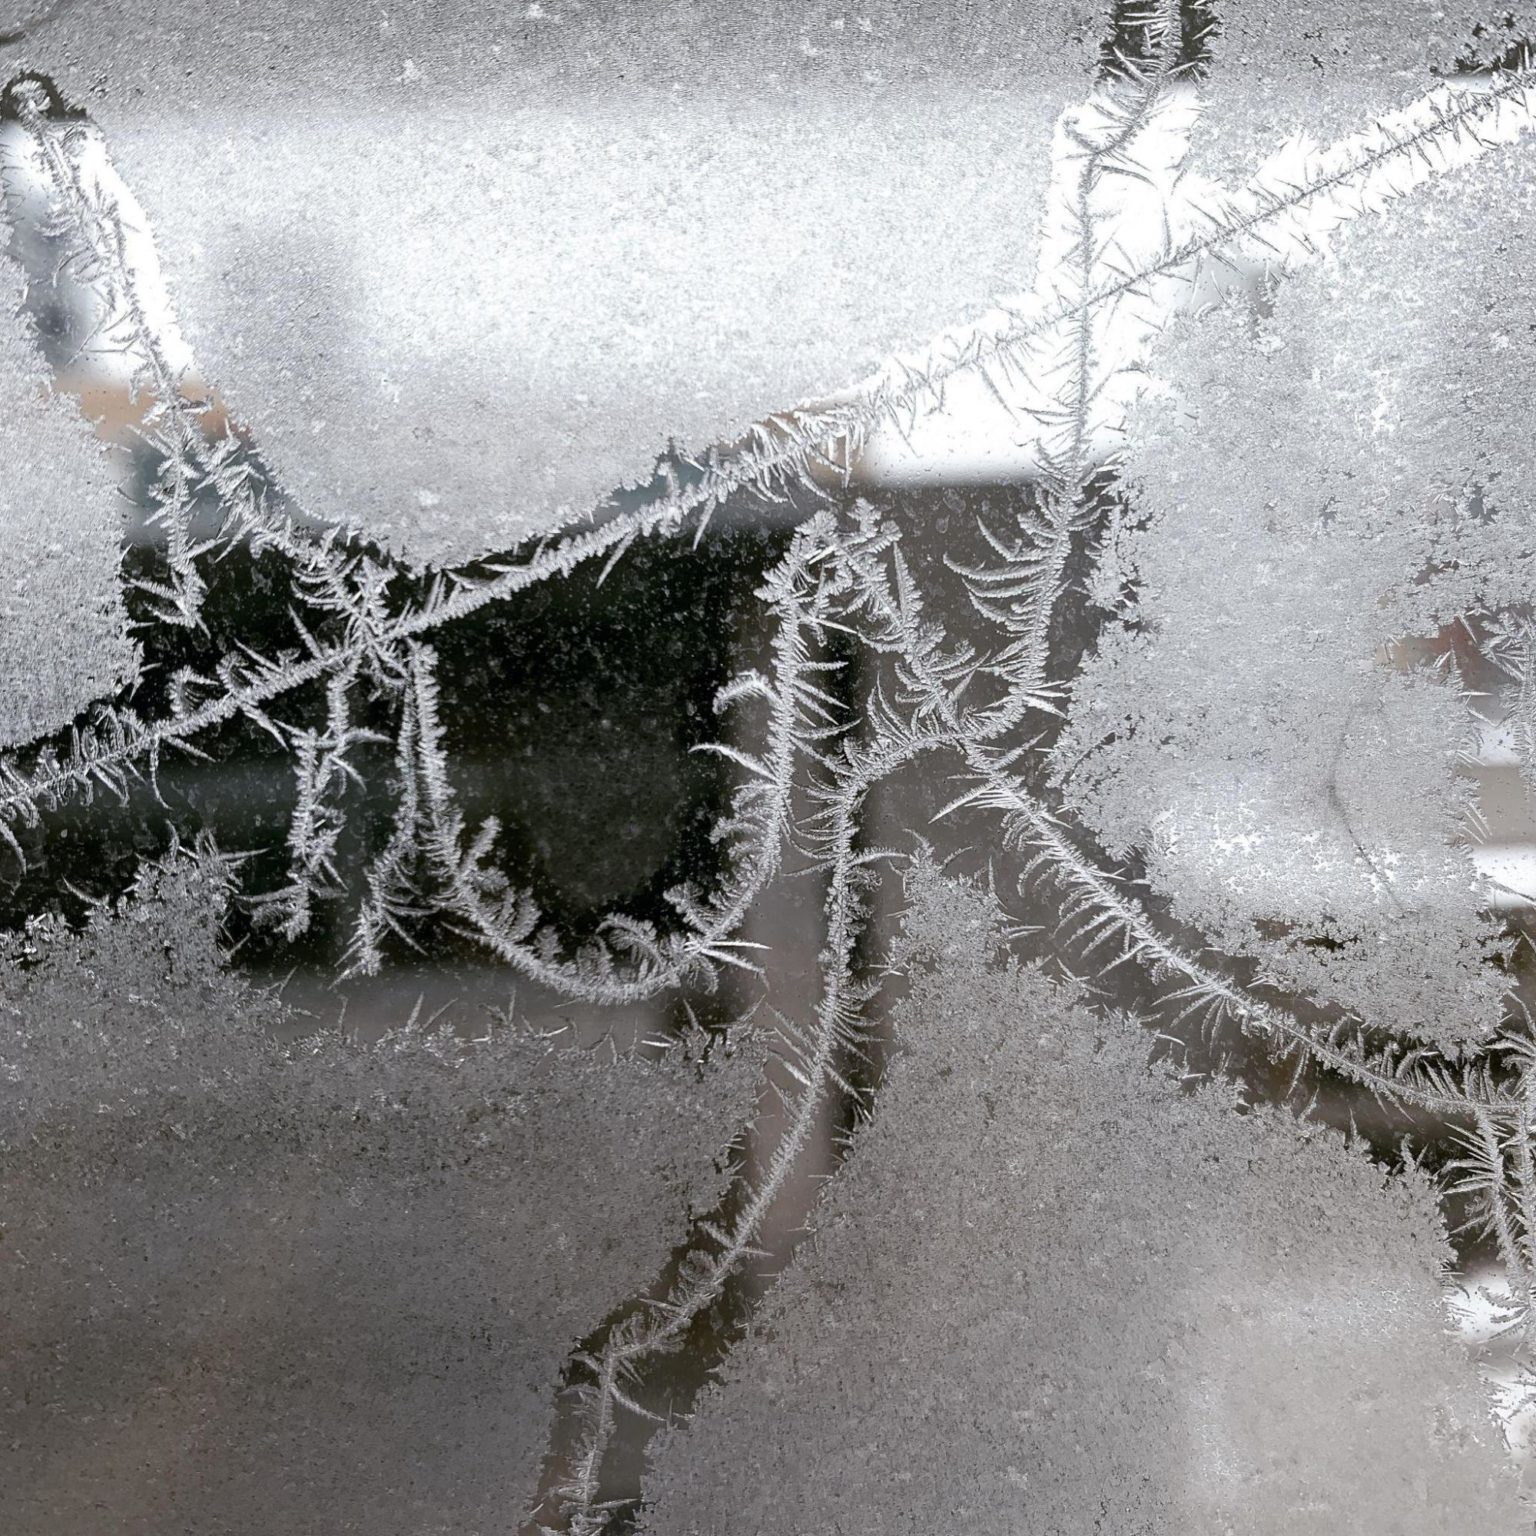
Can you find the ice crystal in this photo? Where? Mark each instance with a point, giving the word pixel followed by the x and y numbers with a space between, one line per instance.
pixel 362 1263
pixel 63 626
pixel 1318 68
pixel 461 303
pixel 1261 738
pixel 1051 1291
pixel 1211 699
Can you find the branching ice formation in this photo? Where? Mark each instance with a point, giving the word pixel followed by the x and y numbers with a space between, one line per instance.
pixel 1129 238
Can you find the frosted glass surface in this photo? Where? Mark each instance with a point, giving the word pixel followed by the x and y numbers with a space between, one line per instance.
pixel 467 280
pixel 767 769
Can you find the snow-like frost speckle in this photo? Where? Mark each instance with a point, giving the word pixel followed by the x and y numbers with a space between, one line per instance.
pixel 1422 339
pixel 1255 727
pixel 1327 66
pixel 465 279
pixel 465 270
pixel 63 630
pixel 310 1290
pixel 1052 1292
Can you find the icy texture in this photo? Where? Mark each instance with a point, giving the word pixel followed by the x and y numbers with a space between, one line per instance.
pixel 63 632
pixel 1437 403
pixel 329 1291
pixel 1317 488
pixel 17 16
pixel 1053 1293
pixel 1325 67
pixel 465 277
pixel 461 292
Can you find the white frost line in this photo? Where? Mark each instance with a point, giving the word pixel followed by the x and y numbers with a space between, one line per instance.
pixel 973 436
pixel 98 175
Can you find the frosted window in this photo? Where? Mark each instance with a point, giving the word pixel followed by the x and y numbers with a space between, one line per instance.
pixel 768 771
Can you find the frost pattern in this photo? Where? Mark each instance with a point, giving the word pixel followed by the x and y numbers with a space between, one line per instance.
pixel 363 1265
pixel 1291 793
pixel 883 666
pixel 58 546
pixel 1050 1291
pixel 592 274
pixel 1316 68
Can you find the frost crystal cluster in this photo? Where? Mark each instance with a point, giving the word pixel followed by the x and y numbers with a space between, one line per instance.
pixel 767 773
